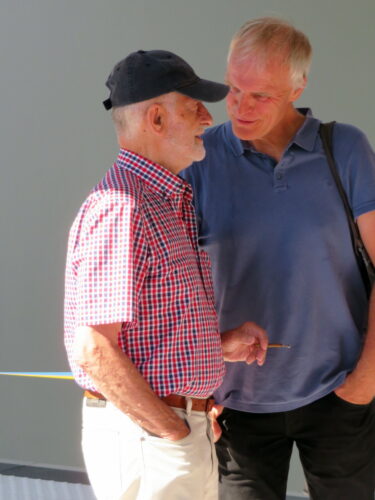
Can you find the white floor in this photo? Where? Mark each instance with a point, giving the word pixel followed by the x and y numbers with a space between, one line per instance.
pixel 22 488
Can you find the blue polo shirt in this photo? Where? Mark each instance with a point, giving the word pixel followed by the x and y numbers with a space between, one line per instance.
pixel 281 255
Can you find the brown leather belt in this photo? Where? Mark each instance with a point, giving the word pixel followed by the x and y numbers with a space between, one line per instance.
pixel 94 395
pixel 171 400
pixel 197 404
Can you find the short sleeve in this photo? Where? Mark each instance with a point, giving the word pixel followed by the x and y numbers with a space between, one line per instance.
pixel 356 163
pixel 110 264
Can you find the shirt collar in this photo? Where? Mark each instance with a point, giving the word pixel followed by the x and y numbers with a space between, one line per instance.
pixel 305 137
pixel 157 177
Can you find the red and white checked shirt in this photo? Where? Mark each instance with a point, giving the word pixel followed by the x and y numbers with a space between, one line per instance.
pixel 133 258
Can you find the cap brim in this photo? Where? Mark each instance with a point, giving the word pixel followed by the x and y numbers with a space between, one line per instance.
pixel 205 90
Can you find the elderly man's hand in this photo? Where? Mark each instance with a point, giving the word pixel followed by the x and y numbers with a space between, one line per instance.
pixel 246 343
pixel 213 414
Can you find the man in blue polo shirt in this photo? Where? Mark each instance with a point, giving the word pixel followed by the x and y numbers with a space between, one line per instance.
pixel 272 220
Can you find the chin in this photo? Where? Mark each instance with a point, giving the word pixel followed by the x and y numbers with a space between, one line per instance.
pixel 199 153
pixel 245 135
pixel 200 156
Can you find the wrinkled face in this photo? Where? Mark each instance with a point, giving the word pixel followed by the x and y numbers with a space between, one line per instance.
pixel 187 119
pixel 259 98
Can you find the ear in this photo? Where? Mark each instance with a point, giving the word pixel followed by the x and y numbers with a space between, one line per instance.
pixel 156 117
pixel 296 93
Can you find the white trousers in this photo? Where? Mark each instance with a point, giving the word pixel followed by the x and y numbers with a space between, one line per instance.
pixel 125 462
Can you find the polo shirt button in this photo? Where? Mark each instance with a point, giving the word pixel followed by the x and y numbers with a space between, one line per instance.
pixel 279 175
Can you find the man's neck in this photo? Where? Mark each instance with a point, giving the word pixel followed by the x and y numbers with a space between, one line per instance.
pixel 154 153
pixel 276 142
pixel 151 139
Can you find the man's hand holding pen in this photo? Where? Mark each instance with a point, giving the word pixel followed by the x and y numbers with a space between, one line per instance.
pixel 247 343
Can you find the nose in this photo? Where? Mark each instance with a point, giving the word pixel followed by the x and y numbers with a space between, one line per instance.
pixel 205 116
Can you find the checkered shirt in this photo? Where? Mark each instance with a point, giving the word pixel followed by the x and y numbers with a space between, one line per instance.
pixel 133 258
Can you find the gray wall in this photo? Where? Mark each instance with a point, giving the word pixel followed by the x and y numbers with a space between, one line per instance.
pixel 57 141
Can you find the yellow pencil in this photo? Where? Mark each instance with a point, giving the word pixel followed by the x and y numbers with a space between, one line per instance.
pixel 287 346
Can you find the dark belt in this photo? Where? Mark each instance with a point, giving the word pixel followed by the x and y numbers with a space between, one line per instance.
pixel 171 400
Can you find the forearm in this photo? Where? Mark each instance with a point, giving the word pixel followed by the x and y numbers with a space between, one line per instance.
pixel 364 372
pixel 362 379
pixel 116 377
pixel 359 385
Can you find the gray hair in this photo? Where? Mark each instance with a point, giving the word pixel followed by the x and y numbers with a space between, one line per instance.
pixel 127 119
pixel 270 38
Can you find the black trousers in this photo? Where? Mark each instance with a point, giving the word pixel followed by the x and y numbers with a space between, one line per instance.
pixel 336 443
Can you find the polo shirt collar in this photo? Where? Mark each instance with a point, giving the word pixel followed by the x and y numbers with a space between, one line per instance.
pixel 305 137
pixel 157 177
pixel 238 147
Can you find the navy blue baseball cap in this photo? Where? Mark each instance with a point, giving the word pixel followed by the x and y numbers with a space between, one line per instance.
pixel 146 74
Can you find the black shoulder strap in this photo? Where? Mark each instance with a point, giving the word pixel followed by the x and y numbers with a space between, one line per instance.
pixel 326 132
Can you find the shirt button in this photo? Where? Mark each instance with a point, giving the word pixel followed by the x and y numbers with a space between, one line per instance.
pixel 279 175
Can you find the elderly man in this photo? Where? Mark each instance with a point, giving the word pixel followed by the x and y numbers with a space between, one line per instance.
pixel 140 326
pixel 275 228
